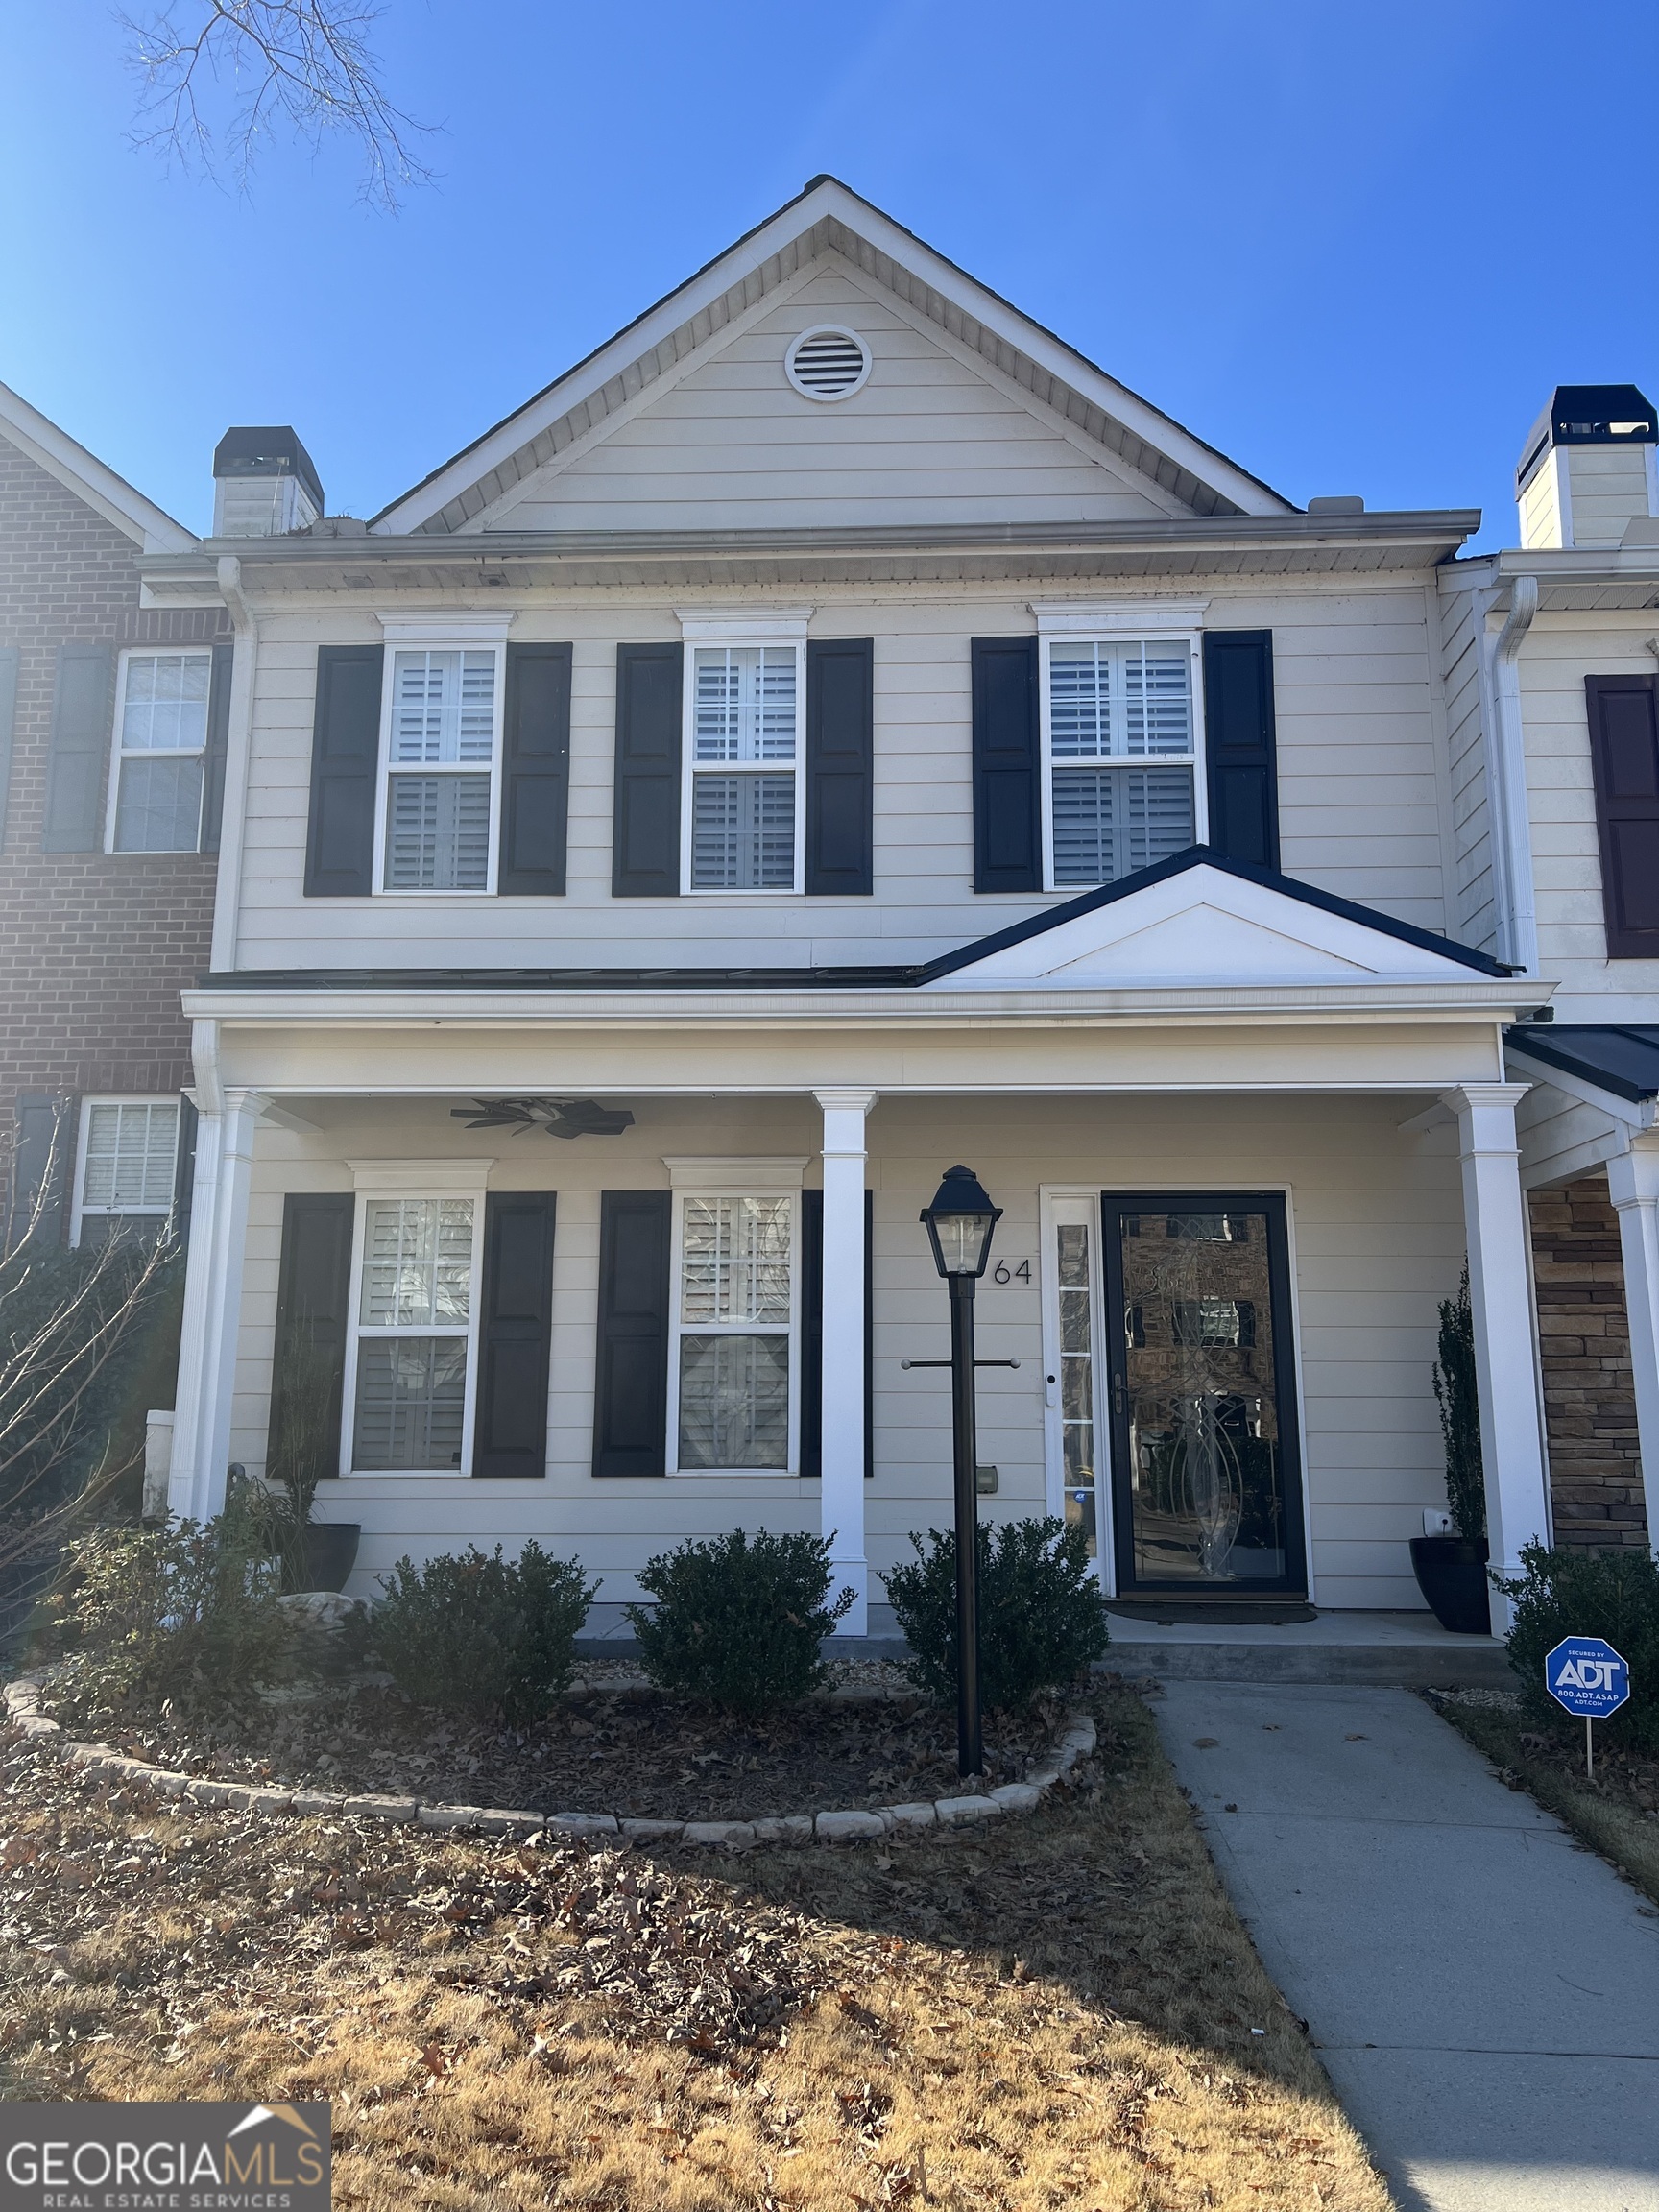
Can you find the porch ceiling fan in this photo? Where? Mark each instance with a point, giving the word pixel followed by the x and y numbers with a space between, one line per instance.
pixel 558 1117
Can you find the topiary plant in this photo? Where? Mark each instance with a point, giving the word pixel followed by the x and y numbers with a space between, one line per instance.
pixel 738 1619
pixel 1458 1400
pixel 1567 1592
pixel 480 1633
pixel 1042 1614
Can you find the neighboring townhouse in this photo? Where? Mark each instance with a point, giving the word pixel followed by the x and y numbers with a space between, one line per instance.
pixel 1553 676
pixel 111 731
pixel 834 731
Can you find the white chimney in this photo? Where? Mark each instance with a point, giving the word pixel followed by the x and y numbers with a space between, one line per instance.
pixel 1587 474
pixel 264 483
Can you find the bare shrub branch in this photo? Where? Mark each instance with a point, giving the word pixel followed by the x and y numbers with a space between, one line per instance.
pixel 305 65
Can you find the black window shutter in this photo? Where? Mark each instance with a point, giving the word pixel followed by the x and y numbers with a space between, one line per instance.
pixel 514 1334
pixel 631 1378
pixel 1008 766
pixel 82 727
pixel 840 765
pixel 1624 760
pixel 217 734
pixel 313 1308
pixel 1240 750
pixel 43 1127
pixel 645 825
pixel 8 723
pixel 812 1333
pixel 345 759
pixel 185 1170
pixel 535 771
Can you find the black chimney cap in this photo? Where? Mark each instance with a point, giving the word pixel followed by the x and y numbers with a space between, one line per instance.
pixel 1588 414
pixel 266 449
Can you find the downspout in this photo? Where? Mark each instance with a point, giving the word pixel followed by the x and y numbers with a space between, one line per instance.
pixel 1507 762
pixel 233 830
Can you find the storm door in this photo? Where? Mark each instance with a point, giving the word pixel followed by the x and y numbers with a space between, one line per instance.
pixel 1207 1479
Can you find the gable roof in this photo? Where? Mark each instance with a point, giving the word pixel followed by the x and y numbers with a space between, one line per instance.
pixel 982 953
pixel 150 528
pixel 1623 1059
pixel 828 217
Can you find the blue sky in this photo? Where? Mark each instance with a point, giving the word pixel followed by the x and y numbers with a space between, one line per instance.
pixel 1353 247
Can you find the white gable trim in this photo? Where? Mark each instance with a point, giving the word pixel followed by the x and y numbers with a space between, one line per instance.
pixel 1202 927
pixel 795 236
pixel 90 479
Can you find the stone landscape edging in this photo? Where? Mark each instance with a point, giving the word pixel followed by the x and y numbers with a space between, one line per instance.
pixel 848 1825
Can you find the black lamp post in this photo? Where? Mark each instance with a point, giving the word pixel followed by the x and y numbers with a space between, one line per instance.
pixel 959 1223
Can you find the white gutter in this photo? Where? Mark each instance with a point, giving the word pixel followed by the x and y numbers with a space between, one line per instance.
pixel 1507 772
pixel 232 819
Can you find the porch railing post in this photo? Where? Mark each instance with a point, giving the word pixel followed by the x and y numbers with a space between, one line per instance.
pixel 1500 1295
pixel 844 1441
pixel 1633 1185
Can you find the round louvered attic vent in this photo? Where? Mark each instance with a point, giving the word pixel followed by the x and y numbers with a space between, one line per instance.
pixel 828 363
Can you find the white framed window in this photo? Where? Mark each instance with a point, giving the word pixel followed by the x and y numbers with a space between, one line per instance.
pixel 437 818
pixel 411 1355
pixel 735 1321
pixel 744 805
pixel 161 744
pixel 126 1161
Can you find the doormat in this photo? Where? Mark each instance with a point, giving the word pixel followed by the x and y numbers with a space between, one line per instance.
pixel 1215 1612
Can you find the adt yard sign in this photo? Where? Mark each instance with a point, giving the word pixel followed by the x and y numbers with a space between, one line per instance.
pixel 1587 1677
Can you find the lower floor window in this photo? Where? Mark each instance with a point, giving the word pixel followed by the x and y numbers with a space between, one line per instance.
pixel 1109 822
pixel 414 1336
pixel 129 1159
pixel 735 1331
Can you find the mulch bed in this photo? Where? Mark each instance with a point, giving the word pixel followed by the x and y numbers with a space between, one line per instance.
pixel 652 1758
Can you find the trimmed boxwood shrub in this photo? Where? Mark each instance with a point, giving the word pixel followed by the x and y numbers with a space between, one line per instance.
pixel 1567 1592
pixel 1041 1616
pixel 738 1619
pixel 479 1633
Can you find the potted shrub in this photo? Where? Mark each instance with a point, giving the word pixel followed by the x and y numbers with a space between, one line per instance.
pixel 1452 1569
pixel 305 1448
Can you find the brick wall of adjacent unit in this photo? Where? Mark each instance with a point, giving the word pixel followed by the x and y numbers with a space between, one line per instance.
pixel 94 947
pixel 1590 1410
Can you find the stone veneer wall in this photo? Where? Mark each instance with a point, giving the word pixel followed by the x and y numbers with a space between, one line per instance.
pixel 1590 1411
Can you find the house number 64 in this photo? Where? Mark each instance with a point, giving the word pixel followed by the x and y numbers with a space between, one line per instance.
pixel 1019 1272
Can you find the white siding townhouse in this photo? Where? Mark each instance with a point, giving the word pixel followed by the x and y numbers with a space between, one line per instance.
pixel 833 733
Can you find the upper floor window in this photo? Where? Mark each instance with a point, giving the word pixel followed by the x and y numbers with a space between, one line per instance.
pixel 745 791
pixel 160 739
pixel 1120 754
pixel 440 803
pixel 127 1163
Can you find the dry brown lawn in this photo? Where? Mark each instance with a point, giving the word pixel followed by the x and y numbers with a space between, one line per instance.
pixel 1059 2010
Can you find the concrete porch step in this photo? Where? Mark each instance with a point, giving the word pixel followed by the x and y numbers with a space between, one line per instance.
pixel 1408 1650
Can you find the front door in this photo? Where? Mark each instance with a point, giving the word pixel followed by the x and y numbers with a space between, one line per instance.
pixel 1207 1479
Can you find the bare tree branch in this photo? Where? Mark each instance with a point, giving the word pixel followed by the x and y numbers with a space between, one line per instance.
pixel 303 63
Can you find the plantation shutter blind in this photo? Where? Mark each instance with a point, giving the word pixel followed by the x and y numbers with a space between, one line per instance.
pixel 535 771
pixel 1624 714
pixel 313 1313
pixel 812 1333
pixel 345 763
pixel 630 1370
pixel 214 755
pixel 840 765
pixel 1241 763
pixel 1008 766
pixel 515 1334
pixel 83 722
pixel 645 821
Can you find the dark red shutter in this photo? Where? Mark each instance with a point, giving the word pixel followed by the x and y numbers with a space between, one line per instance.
pixel 344 762
pixel 1625 760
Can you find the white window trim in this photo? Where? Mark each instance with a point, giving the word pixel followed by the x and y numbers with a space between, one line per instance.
pixel 730 1176
pixel 1150 623
pixel 452 634
pixel 79 1209
pixel 1063 1204
pixel 414 1179
pixel 774 630
pixel 118 753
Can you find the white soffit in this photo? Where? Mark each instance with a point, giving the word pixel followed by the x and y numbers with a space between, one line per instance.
pixel 1205 925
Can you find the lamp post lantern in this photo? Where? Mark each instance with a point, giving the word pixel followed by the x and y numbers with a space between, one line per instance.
pixel 959 1224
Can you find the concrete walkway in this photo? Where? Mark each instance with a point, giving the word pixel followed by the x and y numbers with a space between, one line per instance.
pixel 1483 1994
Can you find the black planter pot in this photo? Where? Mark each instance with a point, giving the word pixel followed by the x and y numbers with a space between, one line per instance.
pixel 330 1554
pixel 1452 1575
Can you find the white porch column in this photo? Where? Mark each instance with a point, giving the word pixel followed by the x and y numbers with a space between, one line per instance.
pixel 212 1304
pixel 1500 1293
pixel 1633 1184
pixel 843 1391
